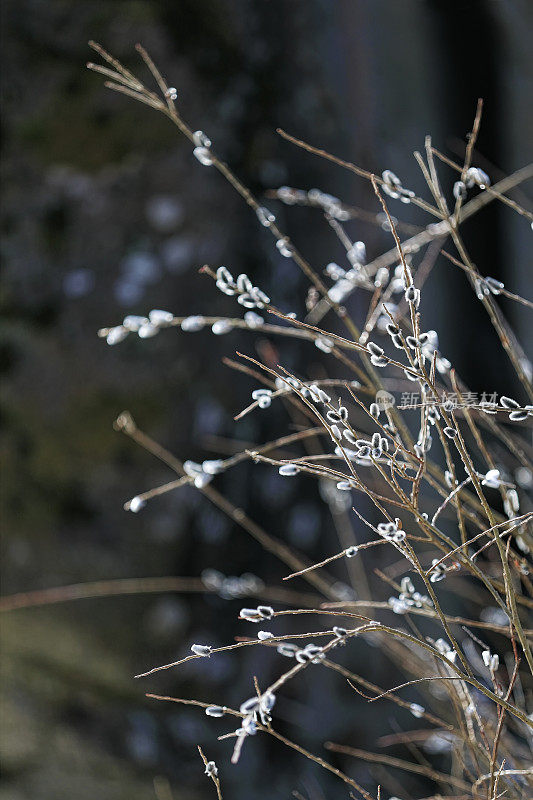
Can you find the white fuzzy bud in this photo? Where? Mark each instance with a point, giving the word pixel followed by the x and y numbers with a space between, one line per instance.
pixel 250 614
pixel 288 470
pixel 203 155
pixel 459 190
pixel 135 504
pixel 265 217
pixel 133 322
pixel 221 326
pixel 147 331
pixel 213 467
pixel 215 711
pixel 492 479
pixel 476 176
pixel 284 248
pixel 324 344
pixel 344 486
pixel 161 319
pixel 253 320
pixel 193 324
pixel 116 335
pixel 200 139
pixel 201 649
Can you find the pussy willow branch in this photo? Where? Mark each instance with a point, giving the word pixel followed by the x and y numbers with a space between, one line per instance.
pixel 168 108
pixel 214 778
pixel 424 523
pixel 230 462
pixel 503 630
pixel 499 323
pixel 368 628
pixel 405 462
pixel 493 190
pixel 472 138
pixel 363 173
pixel 136 586
pixel 398 763
pixel 126 424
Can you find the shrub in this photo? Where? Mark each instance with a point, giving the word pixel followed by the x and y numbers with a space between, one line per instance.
pixel 447 503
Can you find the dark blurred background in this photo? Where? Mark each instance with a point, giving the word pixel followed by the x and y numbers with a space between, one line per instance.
pixel 106 212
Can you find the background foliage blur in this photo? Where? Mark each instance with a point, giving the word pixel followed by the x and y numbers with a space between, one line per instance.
pixel 106 212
